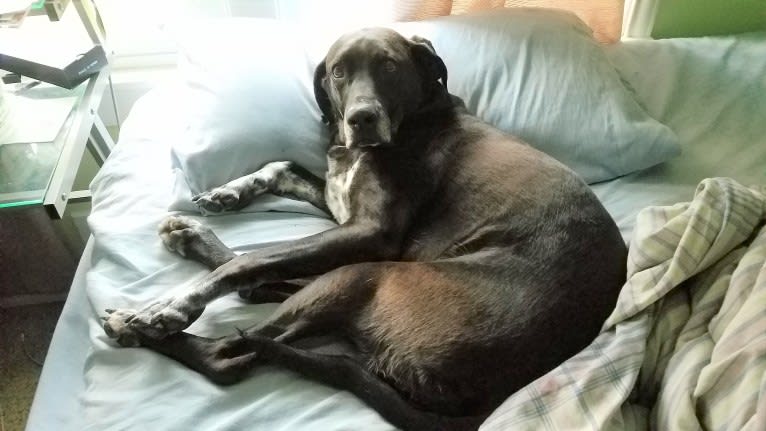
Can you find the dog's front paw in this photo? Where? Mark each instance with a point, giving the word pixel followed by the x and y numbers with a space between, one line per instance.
pixel 223 198
pixel 116 325
pixel 164 318
pixel 188 237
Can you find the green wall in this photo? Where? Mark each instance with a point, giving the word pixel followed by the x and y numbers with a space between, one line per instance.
pixel 689 18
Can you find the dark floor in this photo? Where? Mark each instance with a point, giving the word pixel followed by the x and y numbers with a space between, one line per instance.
pixel 25 333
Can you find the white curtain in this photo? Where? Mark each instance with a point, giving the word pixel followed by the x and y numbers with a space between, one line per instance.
pixel 135 35
pixel 638 19
pixel 134 27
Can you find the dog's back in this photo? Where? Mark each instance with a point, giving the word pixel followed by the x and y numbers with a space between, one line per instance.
pixel 510 267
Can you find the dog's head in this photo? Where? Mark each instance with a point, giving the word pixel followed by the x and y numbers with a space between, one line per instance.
pixel 371 80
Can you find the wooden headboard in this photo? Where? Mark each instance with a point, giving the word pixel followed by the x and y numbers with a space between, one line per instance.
pixel 603 16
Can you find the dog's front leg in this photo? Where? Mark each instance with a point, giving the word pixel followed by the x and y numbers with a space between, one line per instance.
pixel 317 254
pixel 280 178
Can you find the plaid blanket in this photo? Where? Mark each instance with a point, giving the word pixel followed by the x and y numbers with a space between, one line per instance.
pixel 685 347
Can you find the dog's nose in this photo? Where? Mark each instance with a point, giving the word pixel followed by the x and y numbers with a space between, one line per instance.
pixel 362 118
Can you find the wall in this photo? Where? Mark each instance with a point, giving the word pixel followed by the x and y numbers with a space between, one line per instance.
pixel 690 18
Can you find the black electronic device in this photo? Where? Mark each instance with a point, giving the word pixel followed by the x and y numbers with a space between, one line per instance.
pixel 67 73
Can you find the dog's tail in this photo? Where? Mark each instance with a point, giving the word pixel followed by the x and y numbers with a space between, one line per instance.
pixel 464 423
pixel 344 372
pixel 408 418
pixel 356 378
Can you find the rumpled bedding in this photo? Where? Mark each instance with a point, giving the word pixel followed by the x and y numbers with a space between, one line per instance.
pixel 685 347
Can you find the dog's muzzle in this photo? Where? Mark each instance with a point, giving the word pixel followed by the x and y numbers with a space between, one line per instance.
pixel 367 125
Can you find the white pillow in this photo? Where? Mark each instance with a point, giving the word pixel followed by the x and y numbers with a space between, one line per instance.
pixel 534 73
pixel 250 101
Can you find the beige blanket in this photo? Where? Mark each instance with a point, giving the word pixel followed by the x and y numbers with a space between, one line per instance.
pixel 685 348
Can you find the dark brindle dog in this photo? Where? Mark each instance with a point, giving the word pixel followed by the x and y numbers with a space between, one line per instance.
pixel 465 263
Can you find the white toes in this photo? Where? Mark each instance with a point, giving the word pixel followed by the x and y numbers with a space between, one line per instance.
pixel 176 232
pixel 175 241
pixel 116 326
pixel 172 223
pixel 219 199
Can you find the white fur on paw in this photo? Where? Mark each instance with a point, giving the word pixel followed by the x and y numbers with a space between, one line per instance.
pixel 161 319
pixel 175 232
pixel 116 325
pixel 238 193
pixel 219 199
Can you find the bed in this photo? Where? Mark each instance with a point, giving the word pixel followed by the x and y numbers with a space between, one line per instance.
pixel 711 92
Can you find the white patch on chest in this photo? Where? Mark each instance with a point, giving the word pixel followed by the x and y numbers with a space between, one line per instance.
pixel 338 196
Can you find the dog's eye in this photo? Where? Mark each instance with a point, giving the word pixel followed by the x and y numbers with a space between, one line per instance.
pixel 389 66
pixel 337 71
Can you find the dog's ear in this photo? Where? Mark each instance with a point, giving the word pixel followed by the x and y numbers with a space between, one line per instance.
pixel 320 94
pixel 430 64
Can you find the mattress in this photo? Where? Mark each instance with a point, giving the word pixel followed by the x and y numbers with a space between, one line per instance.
pixel 710 91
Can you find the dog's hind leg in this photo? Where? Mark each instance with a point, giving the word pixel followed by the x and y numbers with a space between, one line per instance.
pixel 231 359
pixel 344 372
pixel 338 299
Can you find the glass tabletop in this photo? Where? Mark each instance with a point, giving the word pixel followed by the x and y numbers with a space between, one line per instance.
pixel 34 119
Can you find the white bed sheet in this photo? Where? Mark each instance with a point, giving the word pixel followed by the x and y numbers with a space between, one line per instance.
pixel 88 384
pixel 712 92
